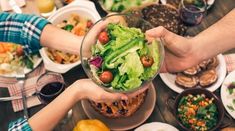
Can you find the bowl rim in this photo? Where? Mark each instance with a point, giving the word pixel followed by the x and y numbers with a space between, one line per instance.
pixel 218 103
pixel 144 83
pixel 73 8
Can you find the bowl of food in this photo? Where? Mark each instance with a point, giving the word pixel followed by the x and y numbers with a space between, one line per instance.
pixel 198 109
pixel 76 18
pixel 122 5
pixel 117 56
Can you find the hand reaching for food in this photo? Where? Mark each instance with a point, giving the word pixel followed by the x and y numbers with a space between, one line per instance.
pixel 179 50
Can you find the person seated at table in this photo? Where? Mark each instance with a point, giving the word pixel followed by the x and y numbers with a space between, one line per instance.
pixel 33 32
pixel 182 53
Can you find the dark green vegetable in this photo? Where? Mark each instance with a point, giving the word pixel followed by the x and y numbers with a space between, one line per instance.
pixel 68 28
pixel 28 62
pixel 230 108
pixel 130 46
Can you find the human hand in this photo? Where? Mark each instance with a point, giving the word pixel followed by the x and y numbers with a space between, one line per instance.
pixel 180 52
pixel 89 90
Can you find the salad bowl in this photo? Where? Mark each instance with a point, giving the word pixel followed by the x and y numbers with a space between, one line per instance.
pixel 118 57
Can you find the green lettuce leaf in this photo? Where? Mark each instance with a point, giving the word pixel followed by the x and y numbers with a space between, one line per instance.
pixel 132 66
pixel 154 52
pixel 132 83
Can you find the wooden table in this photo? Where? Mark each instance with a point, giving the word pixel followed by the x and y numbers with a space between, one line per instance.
pixel 160 113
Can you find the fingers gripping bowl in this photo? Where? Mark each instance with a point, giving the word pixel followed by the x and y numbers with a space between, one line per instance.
pixel 116 55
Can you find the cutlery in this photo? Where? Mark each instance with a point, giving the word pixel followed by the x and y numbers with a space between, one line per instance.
pixel 4 99
pixel 21 79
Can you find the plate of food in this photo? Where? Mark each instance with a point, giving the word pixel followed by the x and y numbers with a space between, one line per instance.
pixel 122 5
pixel 168 18
pixel 14 61
pixel 176 3
pixel 156 126
pixel 228 93
pixel 123 115
pixel 209 75
pixel 76 18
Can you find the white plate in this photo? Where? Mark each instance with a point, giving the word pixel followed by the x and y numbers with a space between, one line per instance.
pixel 36 62
pixel 156 126
pixel 82 8
pixel 209 2
pixel 169 79
pixel 127 123
pixel 226 98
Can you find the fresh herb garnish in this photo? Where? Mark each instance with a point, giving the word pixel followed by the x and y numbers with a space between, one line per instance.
pixel 230 108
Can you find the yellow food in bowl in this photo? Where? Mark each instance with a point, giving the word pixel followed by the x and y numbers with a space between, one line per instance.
pixel 90 125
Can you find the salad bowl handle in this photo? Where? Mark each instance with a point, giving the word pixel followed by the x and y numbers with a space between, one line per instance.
pixel 170 99
pixel 229 122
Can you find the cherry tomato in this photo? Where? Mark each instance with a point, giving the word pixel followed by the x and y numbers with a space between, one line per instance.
pixel 19 51
pixel 103 37
pixel 106 77
pixel 147 61
pixel 89 24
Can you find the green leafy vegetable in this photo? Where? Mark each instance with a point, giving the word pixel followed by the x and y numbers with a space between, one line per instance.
pixel 68 28
pixel 230 108
pixel 28 62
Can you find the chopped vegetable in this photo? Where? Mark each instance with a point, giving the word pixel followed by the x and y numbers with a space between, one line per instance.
pixel 120 49
pixel 230 108
pixel 68 28
pixel 120 5
pixel 103 37
pixel 97 61
pixel 197 112
pixel 106 77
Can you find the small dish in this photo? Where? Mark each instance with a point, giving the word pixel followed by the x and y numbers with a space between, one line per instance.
pixel 169 79
pixel 226 98
pixel 82 8
pixel 197 91
pixel 127 123
pixel 156 126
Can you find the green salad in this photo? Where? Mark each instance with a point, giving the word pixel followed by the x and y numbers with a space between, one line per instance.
pixel 197 112
pixel 120 5
pixel 123 59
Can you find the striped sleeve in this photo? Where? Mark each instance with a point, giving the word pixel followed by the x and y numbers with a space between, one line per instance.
pixel 22 29
pixel 19 125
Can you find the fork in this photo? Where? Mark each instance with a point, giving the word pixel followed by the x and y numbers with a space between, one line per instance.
pixel 21 79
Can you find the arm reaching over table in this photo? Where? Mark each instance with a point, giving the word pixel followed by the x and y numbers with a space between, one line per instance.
pixel 49 117
pixel 183 53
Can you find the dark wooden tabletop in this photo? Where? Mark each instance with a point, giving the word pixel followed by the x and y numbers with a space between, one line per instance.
pixel 160 114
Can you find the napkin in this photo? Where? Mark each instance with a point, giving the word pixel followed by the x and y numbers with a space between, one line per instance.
pixel 5 6
pixel 230 62
pixel 29 87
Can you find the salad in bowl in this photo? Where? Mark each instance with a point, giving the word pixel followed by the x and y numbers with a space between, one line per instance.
pixel 120 58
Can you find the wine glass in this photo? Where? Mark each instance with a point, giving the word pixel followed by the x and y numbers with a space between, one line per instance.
pixel 192 11
pixel 49 86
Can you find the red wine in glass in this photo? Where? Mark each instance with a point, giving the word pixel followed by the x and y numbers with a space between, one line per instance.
pixel 50 91
pixel 191 15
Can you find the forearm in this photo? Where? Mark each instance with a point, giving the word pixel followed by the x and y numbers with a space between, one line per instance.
pixel 49 117
pixel 56 38
pixel 216 39
pixel 22 29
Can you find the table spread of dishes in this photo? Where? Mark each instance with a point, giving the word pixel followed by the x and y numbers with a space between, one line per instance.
pixel 118 57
